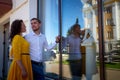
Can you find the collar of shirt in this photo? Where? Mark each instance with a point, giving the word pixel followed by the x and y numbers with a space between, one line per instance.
pixel 34 34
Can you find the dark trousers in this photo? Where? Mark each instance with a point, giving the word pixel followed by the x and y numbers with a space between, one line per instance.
pixel 76 68
pixel 38 71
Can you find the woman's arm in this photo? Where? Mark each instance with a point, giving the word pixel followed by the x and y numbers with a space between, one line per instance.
pixel 23 70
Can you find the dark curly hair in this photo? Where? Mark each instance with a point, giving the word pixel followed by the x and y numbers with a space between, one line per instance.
pixel 15 28
pixel 74 26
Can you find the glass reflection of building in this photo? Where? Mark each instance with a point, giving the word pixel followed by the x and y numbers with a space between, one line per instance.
pixel 111 22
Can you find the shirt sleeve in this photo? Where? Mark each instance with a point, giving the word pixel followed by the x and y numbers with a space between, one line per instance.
pixel 16 46
pixel 49 47
pixel 64 42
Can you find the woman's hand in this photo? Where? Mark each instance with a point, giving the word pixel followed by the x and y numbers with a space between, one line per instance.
pixel 24 73
pixel 23 70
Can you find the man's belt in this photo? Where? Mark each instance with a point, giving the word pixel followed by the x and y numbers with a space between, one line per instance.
pixel 37 63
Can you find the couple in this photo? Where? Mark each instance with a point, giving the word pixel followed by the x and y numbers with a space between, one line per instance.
pixel 27 53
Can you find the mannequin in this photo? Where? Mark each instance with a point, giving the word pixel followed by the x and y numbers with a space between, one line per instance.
pixel 89 43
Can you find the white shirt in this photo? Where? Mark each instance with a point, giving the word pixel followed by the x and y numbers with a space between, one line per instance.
pixel 74 47
pixel 37 45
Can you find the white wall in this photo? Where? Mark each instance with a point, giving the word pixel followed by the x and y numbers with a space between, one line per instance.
pixel 117 15
pixel 32 11
pixel 21 12
pixel 33 8
pixel 119 20
pixel 17 3
pixel 25 10
pixel 114 20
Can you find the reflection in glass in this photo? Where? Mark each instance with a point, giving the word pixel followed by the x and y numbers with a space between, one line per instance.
pixel 72 42
pixel 89 43
pixel 83 11
pixel 86 12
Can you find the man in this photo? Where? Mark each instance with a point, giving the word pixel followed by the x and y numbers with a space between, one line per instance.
pixel 73 42
pixel 38 43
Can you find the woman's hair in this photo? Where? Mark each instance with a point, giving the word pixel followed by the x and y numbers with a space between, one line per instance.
pixel 15 28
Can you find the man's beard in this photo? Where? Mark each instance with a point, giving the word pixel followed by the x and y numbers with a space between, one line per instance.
pixel 36 29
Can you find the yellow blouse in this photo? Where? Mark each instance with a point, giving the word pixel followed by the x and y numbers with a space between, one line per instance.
pixel 19 46
pixel 20 51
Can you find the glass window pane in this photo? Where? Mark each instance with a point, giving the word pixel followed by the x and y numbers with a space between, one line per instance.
pixel 80 43
pixel 112 38
pixel 49 16
pixel 80 55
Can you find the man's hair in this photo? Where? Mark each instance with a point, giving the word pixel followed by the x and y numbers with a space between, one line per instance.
pixel 36 19
pixel 75 25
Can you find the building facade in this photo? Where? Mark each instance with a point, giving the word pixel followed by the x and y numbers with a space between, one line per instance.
pixel 111 19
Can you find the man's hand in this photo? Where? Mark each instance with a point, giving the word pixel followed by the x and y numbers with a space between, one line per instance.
pixel 57 39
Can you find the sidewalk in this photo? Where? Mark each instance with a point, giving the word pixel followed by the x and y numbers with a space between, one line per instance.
pixel 111 74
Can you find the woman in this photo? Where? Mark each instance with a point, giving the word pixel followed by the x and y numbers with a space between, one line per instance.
pixel 89 43
pixel 20 68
